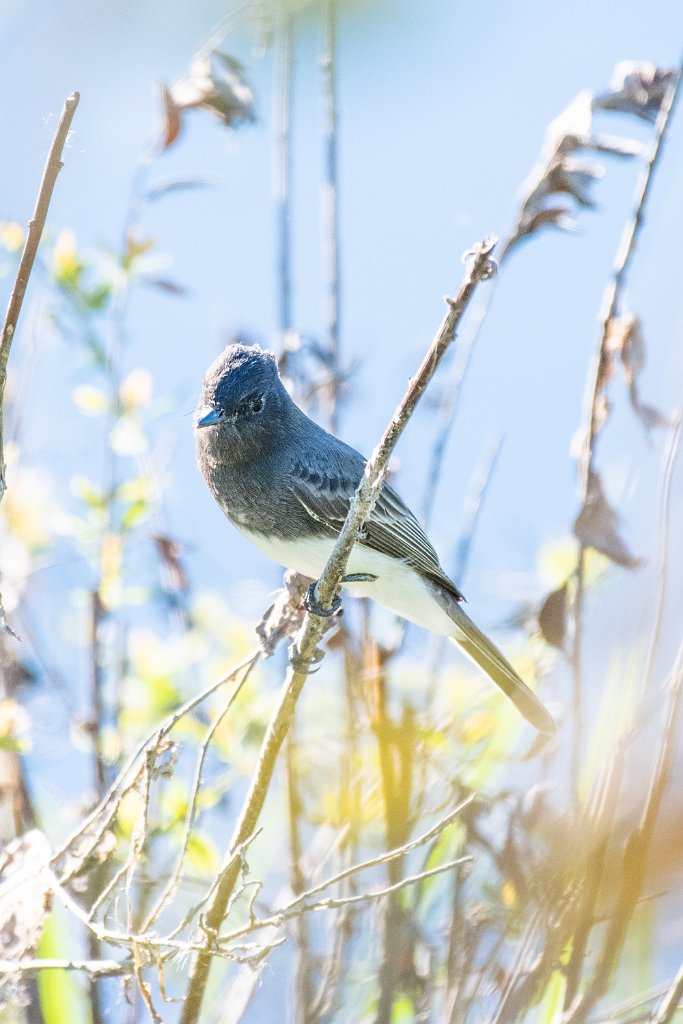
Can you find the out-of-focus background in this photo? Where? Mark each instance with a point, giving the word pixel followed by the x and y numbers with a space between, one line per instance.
pixel 130 590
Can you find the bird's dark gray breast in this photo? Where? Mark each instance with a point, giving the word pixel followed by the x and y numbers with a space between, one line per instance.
pixel 257 496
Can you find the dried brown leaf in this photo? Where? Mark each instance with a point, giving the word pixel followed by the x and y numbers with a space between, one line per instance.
pixel 552 617
pixel 625 341
pixel 165 284
pixel 638 88
pixel 171 551
pixel 25 893
pixel 215 82
pixel 285 615
pixel 596 526
pixel 171 116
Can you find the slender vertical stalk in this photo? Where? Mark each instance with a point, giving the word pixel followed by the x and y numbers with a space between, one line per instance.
pixel 282 183
pixel 304 988
pixel 610 310
pixel 331 209
pixel 96 695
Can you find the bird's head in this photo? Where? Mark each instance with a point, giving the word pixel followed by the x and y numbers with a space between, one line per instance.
pixel 242 402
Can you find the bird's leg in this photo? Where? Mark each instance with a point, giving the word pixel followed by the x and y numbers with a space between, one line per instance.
pixel 302 665
pixel 312 605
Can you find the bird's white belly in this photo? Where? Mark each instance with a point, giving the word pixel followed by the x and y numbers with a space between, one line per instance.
pixel 398 587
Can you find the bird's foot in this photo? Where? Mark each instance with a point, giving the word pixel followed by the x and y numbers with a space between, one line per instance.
pixel 312 605
pixel 359 577
pixel 300 664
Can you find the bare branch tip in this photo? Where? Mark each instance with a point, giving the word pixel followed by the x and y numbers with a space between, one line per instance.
pixel 477 258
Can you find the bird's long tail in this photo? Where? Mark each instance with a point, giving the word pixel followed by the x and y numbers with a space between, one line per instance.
pixel 499 669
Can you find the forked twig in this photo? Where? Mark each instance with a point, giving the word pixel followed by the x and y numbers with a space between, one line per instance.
pixel 480 268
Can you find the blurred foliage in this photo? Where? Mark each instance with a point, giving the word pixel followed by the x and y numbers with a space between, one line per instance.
pixel 385 745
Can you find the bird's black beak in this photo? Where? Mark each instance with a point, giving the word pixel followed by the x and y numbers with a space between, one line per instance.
pixel 210 418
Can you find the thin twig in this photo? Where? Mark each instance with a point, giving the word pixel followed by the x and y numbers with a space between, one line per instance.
pixel 479 269
pixel 610 309
pixel 671 1001
pixel 331 207
pixel 172 884
pixel 94 968
pixel 668 465
pixel 282 189
pixel 106 810
pixel 304 966
pixel 383 858
pixel 472 509
pixel 35 230
pixel 635 854
pixel 52 168
pixel 450 403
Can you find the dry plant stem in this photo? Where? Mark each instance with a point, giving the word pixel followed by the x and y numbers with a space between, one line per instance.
pixel 472 509
pixel 635 855
pixel 669 461
pixel 96 694
pixel 306 903
pixel 171 886
pixel 52 168
pixel 35 230
pixel 304 987
pixel 671 1001
pixel 94 968
pixel 283 156
pixel 100 819
pixel 397 788
pixel 450 403
pixel 331 206
pixel 610 309
pixel 479 269
pixel 153 944
pixel 594 837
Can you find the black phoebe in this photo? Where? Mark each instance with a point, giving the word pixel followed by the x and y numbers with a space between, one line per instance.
pixel 286 484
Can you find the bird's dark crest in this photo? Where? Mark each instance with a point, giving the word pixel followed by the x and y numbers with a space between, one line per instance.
pixel 238 364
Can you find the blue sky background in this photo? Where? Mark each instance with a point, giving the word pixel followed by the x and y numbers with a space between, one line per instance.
pixel 443 108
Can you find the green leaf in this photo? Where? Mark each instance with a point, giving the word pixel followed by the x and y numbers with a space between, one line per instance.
pixel 90 400
pixel 85 489
pixel 202 854
pixel 135 514
pixel 553 998
pixel 61 999
pixel 403 1010
pixel 95 299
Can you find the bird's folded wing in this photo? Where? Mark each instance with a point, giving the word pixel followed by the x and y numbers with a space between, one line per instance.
pixel 391 529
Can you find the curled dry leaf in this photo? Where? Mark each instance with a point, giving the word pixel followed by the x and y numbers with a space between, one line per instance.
pixel 170 552
pixel 638 88
pixel 25 893
pixel 285 615
pixel 4 624
pixel 552 617
pixel 625 341
pixel 214 81
pixel 560 173
pixel 596 526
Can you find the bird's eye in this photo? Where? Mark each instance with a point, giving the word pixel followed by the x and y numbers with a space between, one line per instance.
pixel 256 403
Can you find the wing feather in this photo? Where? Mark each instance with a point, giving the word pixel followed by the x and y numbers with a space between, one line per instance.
pixel 392 528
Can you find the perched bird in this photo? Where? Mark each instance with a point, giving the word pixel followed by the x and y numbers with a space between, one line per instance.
pixel 286 484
